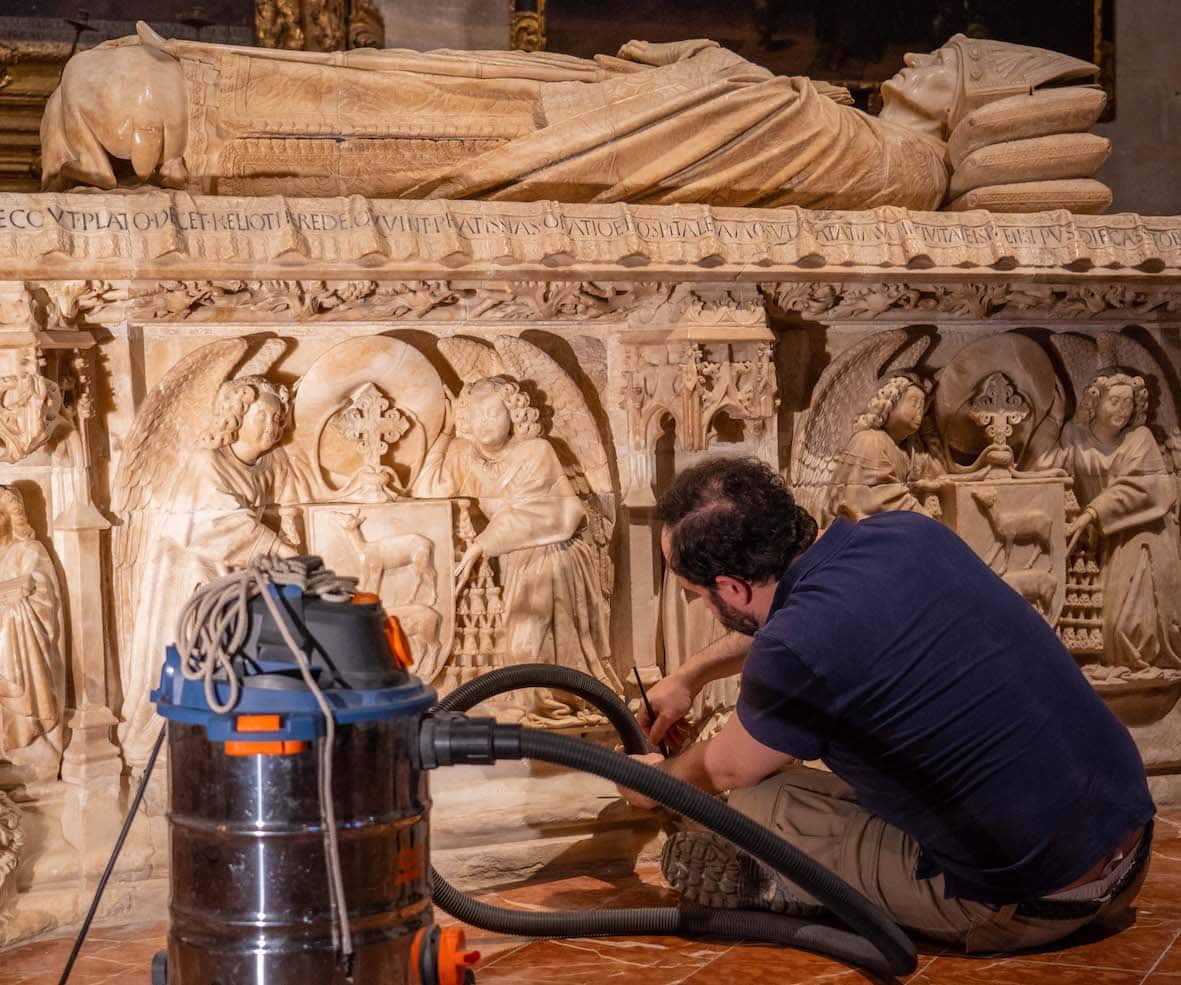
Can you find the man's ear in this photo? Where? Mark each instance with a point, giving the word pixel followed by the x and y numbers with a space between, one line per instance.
pixel 733 590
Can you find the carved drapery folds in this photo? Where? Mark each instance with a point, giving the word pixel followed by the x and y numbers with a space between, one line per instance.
pixel 393 475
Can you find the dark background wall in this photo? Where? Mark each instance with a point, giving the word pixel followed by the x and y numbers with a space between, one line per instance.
pixel 1144 169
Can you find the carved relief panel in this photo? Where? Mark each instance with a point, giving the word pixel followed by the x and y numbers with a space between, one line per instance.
pixel 482 518
pixel 1050 454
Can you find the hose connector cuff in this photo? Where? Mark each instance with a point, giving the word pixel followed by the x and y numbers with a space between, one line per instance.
pixel 453 739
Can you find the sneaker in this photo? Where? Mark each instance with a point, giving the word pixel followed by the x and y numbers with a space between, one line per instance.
pixel 708 870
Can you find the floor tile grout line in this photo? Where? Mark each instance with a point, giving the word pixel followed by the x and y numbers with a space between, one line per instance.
pixel 1156 963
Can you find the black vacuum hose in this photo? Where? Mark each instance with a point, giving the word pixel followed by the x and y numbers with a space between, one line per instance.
pixel 505 679
pixel 882 948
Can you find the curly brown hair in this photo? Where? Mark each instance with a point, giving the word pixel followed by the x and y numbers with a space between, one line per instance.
pixel 734 517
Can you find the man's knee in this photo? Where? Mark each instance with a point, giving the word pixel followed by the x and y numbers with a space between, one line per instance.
pixel 767 801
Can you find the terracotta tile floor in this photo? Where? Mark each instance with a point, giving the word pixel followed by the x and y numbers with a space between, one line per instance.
pixel 1146 953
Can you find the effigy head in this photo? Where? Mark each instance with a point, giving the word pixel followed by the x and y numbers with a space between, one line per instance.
pixel 941 88
pixel 122 101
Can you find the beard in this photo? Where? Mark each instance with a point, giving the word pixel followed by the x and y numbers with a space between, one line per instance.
pixel 733 619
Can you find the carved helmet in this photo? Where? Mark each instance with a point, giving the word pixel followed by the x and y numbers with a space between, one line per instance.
pixel 992 70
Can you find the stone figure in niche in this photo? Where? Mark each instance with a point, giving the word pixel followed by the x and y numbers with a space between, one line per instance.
pixel 880 464
pixel 1128 498
pixel 686 626
pixel 32 667
pixel 30 411
pixel 551 563
pixel 683 122
pixel 201 464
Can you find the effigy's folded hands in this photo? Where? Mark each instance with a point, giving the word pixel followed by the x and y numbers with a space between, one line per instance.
pixel 1030 153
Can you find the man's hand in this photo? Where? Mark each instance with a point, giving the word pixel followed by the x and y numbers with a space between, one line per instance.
pixel 636 799
pixel 670 699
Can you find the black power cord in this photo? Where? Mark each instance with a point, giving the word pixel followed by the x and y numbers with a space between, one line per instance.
pixel 106 876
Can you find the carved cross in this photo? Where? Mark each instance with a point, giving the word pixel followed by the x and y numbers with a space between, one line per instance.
pixel 998 407
pixel 371 423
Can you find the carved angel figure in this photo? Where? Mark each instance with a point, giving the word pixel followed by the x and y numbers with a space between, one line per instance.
pixel 874 471
pixel 1128 498
pixel 191 500
pixel 673 123
pixel 32 669
pixel 844 457
pixel 554 591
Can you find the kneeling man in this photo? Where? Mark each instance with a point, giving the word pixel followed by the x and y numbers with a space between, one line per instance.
pixel 980 791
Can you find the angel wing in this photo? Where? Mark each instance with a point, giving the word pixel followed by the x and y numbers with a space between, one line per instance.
pixel 572 425
pixel 471 359
pixel 1031 153
pixel 167 425
pixel 1079 357
pixel 841 393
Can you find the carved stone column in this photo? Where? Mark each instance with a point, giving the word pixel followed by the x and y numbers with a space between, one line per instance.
pixel 714 357
pixel 78 531
pixel 91 764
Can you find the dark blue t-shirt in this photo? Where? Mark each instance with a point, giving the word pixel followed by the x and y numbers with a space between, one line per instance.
pixel 896 656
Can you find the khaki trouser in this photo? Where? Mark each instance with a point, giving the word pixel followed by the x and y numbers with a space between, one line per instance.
pixel 815 811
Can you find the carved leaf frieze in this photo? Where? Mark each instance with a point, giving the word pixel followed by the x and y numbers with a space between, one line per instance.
pixel 657 303
pixel 975 301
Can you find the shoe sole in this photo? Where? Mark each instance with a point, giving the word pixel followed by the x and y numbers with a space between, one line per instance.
pixel 708 870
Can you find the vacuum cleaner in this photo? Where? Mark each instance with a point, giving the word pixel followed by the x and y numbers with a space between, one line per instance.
pixel 299 750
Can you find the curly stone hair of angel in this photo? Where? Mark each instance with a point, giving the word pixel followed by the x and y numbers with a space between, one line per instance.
pixel 525 417
pixel 733 517
pixel 234 398
pixel 883 402
pixel 1104 380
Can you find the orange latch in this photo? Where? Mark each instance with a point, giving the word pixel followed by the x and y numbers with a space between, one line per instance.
pixel 394 637
pixel 454 961
pixel 399 645
pixel 263 723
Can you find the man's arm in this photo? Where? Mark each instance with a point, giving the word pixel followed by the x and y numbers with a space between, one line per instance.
pixel 671 697
pixel 732 758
